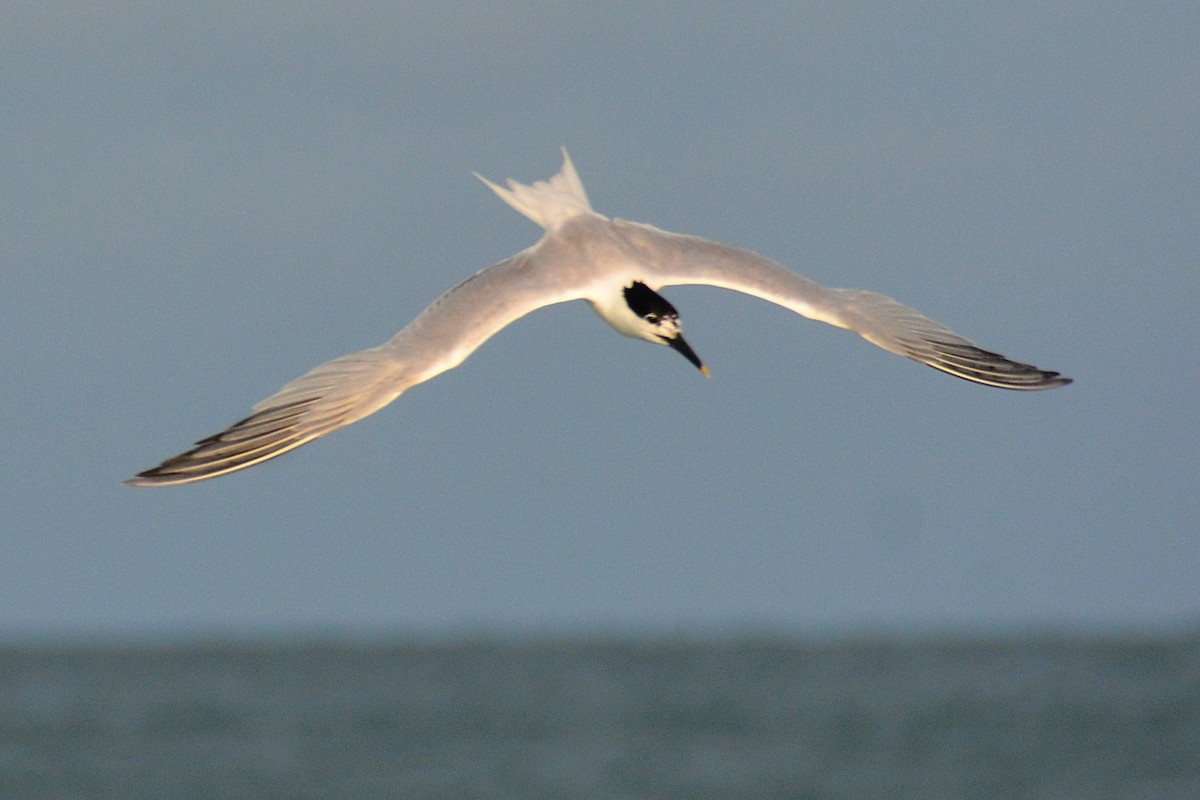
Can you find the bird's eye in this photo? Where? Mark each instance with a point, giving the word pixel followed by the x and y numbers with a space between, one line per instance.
pixel 652 319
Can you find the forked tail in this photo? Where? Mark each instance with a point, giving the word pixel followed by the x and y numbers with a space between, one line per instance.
pixel 548 203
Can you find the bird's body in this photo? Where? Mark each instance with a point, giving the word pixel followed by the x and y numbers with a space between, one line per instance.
pixel 618 267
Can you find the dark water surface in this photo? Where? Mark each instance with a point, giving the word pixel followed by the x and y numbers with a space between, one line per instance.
pixel 758 718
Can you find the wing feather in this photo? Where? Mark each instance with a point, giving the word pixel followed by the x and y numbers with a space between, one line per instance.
pixel 881 320
pixel 329 397
pixel 346 389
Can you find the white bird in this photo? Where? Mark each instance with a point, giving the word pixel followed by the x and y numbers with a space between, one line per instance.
pixel 618 267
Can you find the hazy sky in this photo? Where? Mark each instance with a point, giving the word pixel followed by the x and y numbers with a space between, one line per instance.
pixel 202 201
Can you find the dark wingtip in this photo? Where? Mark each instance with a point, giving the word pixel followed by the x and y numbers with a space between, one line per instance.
pixel 151 477
pixel 161 475
pixel 972 363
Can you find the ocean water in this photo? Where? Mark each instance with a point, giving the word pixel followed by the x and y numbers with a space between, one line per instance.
pixel 1043 717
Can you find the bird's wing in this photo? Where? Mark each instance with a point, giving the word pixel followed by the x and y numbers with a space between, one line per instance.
pixel 328 397
pixel 674 259
pixel 346 389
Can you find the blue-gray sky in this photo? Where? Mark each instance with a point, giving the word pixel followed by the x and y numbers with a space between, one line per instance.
pixel 202 201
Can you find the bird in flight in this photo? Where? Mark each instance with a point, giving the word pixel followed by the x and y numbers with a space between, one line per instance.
pixel 615 265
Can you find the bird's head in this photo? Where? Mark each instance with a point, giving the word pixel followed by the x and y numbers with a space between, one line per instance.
pixel 652 318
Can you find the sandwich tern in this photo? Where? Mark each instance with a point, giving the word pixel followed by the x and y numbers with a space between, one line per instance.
pixel 618 267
